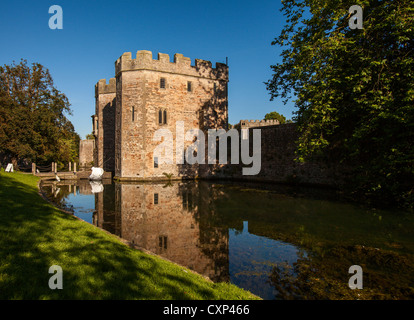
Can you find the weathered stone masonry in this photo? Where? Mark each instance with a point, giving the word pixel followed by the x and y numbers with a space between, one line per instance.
pixel 245 124
pixel 278 146
pixel 86 151
pixel 148 94
pixel 153 94
pixel 104 124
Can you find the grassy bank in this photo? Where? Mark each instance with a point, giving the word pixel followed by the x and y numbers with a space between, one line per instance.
pixel 34 235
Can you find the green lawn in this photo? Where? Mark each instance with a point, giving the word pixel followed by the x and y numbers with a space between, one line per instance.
pixel 34 235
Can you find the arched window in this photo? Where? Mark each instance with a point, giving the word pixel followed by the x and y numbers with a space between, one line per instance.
pixel 162 116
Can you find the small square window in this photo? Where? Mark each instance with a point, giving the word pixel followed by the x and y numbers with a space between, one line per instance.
pixel 189 89
pixel 155 198
pixel 162 83
pixel 162 242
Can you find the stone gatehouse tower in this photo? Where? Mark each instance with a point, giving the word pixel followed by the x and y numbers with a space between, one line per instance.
pixel 149 94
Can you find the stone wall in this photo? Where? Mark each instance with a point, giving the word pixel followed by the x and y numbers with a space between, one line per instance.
pixel 86 152
pixel 245 124
pixel 278 161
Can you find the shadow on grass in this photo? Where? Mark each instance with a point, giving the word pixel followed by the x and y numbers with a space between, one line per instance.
pixel 34 236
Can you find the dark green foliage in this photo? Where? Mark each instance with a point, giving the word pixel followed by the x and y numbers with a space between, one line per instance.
pixel 90 136
pixel 33 125
pixel 354 90
pixel 275 116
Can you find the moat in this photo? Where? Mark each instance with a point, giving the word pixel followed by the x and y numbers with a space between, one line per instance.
pixel 278 242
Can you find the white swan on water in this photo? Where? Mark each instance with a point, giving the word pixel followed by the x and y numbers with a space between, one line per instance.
pixel 97 174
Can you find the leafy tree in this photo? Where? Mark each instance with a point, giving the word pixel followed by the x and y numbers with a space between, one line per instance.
pixel 32 112
pixel 354 89
pixel 90 136
pixel 236 126
pixel 275 116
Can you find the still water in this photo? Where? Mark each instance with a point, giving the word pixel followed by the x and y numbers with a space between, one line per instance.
pixel 277 242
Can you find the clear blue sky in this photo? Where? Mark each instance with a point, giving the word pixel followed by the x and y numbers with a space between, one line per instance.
pixel 95 33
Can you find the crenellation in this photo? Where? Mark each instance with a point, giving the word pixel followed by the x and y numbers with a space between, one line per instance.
pixel 181 65
pixel 123 62
pixel 143 57
pixel 180 59
pixel 203 64
pixel 102 87
pixel 258 123
pixel 222 70
pixel 163 58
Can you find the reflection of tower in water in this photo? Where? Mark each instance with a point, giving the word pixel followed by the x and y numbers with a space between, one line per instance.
pixel 165 219
pixel 106 216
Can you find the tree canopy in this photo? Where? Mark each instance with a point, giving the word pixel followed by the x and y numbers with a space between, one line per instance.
pixel 90 136
pixel 353 89
pixel 33 122
pixel 275 116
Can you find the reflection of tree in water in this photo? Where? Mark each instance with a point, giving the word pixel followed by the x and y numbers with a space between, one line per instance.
pixel 386 275
pixel 284 279
pixel 198 198
pixel 58 193
pixel 330 232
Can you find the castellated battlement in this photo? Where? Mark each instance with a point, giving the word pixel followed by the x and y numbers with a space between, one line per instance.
pixel 149 93
pixel 244 124
pixel 103 87
pixel 180 65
